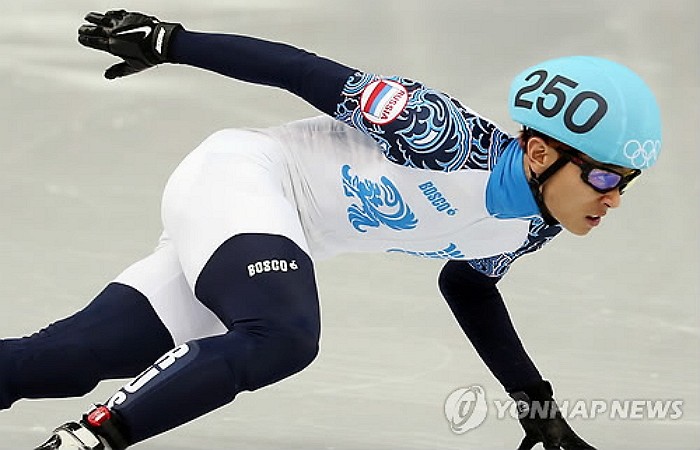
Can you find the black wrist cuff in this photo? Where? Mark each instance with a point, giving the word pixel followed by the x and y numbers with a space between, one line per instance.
pixel 162 35
pixel 536 392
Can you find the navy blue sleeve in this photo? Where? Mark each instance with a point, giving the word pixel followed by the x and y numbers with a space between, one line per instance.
pixel 479 309
pixel 414 125
pixel 317 80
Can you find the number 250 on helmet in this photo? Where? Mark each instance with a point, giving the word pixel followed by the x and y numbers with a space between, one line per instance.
pixel 594 105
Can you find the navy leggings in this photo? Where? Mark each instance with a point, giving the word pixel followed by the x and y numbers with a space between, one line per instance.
pixel 262 287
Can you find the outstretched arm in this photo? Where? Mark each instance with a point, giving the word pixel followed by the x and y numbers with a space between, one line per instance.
pixel 144 41
pixel 317 80
pixel 481 313
pixel 414 125
pixel 479 309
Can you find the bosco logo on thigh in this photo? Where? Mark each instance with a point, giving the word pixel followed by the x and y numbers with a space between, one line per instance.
pixel 271 265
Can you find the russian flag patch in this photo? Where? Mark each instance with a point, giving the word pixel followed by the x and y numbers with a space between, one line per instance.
pixel 382 101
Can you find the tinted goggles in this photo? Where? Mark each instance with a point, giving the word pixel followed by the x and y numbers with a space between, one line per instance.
pixel 601 179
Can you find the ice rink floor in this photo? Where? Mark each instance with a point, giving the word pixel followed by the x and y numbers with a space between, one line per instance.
pixel 613 316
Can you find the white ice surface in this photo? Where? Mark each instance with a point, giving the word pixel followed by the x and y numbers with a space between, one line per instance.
pixel 611 316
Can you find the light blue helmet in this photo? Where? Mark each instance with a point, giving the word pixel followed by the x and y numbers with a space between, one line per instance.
pixel 596 106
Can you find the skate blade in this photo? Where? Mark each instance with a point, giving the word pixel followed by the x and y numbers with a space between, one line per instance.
pixel 74 437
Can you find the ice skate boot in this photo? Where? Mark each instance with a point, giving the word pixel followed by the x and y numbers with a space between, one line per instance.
pixel 73 435
pixel 97 430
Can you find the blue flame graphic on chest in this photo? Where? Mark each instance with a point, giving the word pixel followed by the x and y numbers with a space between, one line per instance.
pixel 379 204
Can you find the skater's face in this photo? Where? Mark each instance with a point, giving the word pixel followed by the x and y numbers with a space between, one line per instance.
pixel 575 203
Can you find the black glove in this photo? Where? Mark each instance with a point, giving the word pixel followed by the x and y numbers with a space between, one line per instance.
pixel 543 422
pixel 141 41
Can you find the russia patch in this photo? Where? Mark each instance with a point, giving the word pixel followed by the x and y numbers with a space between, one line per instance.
pixel 382 101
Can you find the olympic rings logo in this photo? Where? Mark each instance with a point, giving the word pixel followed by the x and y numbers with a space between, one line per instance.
pixel 642 154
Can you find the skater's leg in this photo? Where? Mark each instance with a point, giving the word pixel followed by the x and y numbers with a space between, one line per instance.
pixel 243 251
pixel 271 311
pixel 115 336
pixel 137 318
pixel 263 289
pixel 160 278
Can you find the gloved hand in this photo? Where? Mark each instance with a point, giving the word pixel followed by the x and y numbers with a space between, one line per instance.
pixel 543 422
pixel 140 40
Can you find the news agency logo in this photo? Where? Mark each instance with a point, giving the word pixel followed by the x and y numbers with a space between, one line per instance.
pixel 467 408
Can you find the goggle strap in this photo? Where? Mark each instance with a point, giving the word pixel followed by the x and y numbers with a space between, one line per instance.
pixel 537 180
pixel 539 200
pixel 551 170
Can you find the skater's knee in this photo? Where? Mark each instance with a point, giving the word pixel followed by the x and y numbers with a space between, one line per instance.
pixel 272 352
pixel 263 288
pixel 299 345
